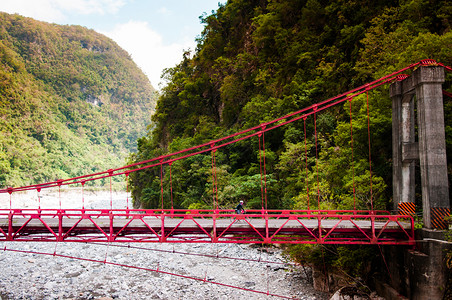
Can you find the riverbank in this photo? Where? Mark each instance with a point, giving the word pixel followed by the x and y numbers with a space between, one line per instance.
pixel 130 270
pixel 89 198
pixel 38 276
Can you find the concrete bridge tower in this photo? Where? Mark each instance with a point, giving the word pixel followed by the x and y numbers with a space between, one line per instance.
pixel 419 273
pixel 424 86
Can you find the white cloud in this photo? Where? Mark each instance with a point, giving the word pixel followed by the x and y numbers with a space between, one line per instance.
pixel 56 10
pixel 87 7
pixel 44 10
pixel 147 48
pixel 164 11
pixel 144 44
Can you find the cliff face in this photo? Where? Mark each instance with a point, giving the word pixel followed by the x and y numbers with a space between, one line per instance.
pixel 71 101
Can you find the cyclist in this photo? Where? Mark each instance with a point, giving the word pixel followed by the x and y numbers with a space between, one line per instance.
pixel 239 209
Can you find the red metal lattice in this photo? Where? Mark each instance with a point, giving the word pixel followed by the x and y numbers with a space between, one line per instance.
pixel 206 226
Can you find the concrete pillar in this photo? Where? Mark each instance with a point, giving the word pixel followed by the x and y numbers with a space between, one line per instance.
pixel 408 139
pixel 404 150
pixel 395 92
pixel 419 273
pixel 427 81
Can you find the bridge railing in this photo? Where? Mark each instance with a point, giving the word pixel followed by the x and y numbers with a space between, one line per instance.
pixel 204 226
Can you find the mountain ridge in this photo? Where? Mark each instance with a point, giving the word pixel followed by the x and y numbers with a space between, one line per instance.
pixel 71 101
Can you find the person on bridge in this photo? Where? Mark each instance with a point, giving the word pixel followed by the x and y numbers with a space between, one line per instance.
pixel 239 209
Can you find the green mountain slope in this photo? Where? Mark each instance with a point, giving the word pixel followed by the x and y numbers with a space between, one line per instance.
pixel 259 60
pixel 71 101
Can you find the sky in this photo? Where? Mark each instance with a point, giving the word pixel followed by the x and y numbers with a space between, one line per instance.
pixel 154 32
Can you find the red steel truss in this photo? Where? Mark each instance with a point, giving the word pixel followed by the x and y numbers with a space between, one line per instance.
pixel 206 226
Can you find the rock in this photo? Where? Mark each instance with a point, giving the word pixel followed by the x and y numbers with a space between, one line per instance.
pixel 62 278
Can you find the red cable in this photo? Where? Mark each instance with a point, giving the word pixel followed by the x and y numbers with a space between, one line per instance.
pixel 325 272
pixel 161 181
pixel 111 195
pixel 39 198
pixel 260 170
pixel 106 252
pixel 371 85
pixel 446 93
pixel 265 173
pixel 198 254
pixel 59 193
pixel 83 195
pixel 267 266
pixel 171 186
pixel 357 91
pixel 147 269
pixel 316 160
pixel 127 191
pixel 306 158
pixel 386 264
pixel 65 181
pixel 370 159
pixel 216 179
pixel 353 161
pixel 213 178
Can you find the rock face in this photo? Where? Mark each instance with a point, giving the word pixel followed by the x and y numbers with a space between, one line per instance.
pixel 34 276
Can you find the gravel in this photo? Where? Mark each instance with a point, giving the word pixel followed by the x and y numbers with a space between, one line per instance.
pixel 37 276
pixel 144 268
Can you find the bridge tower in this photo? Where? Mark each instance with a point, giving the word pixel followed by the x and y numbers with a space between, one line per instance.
pixel 418 100
pixel 421 92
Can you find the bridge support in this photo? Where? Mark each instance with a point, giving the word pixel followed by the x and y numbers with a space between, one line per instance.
pixel 424 86
pixel 416 274
pixel 419 273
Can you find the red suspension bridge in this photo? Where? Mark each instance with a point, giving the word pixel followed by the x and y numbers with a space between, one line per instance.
pixel 215 225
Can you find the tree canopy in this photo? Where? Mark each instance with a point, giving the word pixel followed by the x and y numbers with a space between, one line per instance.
pixel 259 60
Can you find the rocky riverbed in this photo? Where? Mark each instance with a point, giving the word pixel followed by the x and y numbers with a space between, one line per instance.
pixel 38 276
pixel 140 271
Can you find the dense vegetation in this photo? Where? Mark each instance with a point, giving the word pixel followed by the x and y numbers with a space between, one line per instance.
pixel 258 60
pixel 71 101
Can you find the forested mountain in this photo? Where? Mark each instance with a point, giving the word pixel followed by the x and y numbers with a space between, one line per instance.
pixel 71 101
pixel 261 59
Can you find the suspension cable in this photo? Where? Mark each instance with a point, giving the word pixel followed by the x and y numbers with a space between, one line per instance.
pixel 161 181
pixel 386 264
pixel 171 185
pixel 306 159
pixel 370 157
pixel 147 269
pixel 265 172
pixel 111 191
pixel 10 191
pixel 127 192
pixel 59 192
pixel 326 103
pixel 260 171
pixel 353 161
pixel 316 159
pixel 214 178
pixel 198 254
pixel 39 198
pixel 83 195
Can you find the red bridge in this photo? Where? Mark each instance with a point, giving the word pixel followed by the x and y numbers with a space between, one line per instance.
pixel 215 225
pixel 208 226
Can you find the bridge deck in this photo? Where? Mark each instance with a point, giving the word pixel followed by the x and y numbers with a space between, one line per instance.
pixel 113 226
